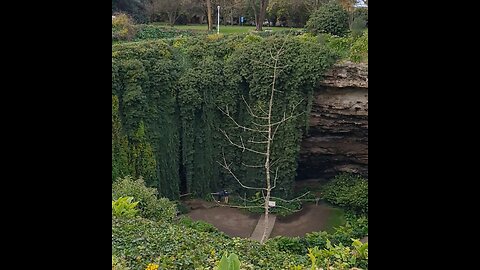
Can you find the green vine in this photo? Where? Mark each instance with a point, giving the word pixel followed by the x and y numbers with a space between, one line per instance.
pixel 176 88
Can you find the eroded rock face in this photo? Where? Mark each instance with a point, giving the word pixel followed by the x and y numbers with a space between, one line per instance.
pixel 338 136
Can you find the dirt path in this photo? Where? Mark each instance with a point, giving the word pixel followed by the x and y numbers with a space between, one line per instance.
pixel 235 222
pixel 231 221
pixel 312 218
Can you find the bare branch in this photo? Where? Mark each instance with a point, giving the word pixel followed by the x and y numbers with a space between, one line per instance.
pixel 249 109
pixel 227 167
pixel 275 179
pixel 241 146
pixel 238 125
pixel 294 199
pixel 258 142
pixel 252 166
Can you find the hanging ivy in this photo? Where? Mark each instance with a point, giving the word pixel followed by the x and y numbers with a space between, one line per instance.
pixel 173 93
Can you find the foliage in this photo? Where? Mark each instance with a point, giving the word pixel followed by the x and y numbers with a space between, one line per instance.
pixel 354 48
pixel 182 208
pixel 151 31
pixel 359 49
pixel 358 26
pixel 143 80
pixel 229 263
pixel 175 88
pixel 142 158
pixel 135 8
pixel 119 263
pixel 330 18
pixel 122 28
pixel 294 245
pixel 124 207
pixel 121 166
pixel 150 207
pixel 349 191
pixel 338 256
pixel 175 246
pixel 179 246
pixel 361 13
pixel 199 225
pixel 255 204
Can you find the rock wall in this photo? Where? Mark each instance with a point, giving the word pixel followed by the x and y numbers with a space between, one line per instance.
pixel 338 136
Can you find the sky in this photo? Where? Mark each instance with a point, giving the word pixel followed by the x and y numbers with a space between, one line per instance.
pixel 360 3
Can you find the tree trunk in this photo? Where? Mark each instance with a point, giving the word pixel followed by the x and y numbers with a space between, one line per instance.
pixel 267 156
pixel 260 14
pixel 209 15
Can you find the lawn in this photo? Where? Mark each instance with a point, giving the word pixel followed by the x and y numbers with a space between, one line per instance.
pixel 336 219
pixel 228 29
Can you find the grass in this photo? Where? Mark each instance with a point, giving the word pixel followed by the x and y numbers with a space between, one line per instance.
pixel 226 29
pixel 335 219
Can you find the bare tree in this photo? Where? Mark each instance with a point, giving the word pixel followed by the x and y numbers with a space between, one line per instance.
pixel 264 126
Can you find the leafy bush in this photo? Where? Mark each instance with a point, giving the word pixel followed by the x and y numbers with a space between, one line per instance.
pixel 151 31
pixel 349 191
pixel 338 45
pixel 359 49
pixel 294 245
pixel 199 225
pixel 338 256
pixel 122 28
pixel 174 246
pixel 358 26
pixel 124 207
pixel 182 208
pixel 354 48
pixel 150 207
pixel 119 263
pixel 330 18
pixel 361 13
pixel 318 239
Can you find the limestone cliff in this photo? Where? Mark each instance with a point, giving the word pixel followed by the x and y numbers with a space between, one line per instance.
pixel 338 136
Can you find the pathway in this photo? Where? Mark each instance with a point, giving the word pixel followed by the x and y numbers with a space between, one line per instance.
pixel 258 232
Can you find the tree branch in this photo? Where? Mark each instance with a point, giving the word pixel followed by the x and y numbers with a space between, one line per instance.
pixel 238 125
pixel 227 167
pixel 241 146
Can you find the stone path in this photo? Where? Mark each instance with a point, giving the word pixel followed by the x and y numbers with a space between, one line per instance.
pixel 258 231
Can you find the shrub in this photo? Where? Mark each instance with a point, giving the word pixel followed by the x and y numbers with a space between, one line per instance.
pixel 288 244
pixel 124 207
pixel 318 239
pixel 339 256
pixel 200 226
pixel 358 26
pixel 349 191
pixel 150 207
pixel 150 31
pixel 119 263
pixel 122 28
pixel 361 13
pixel 330 18
pixel 359 49
pixel 340 46
pixel 182 208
